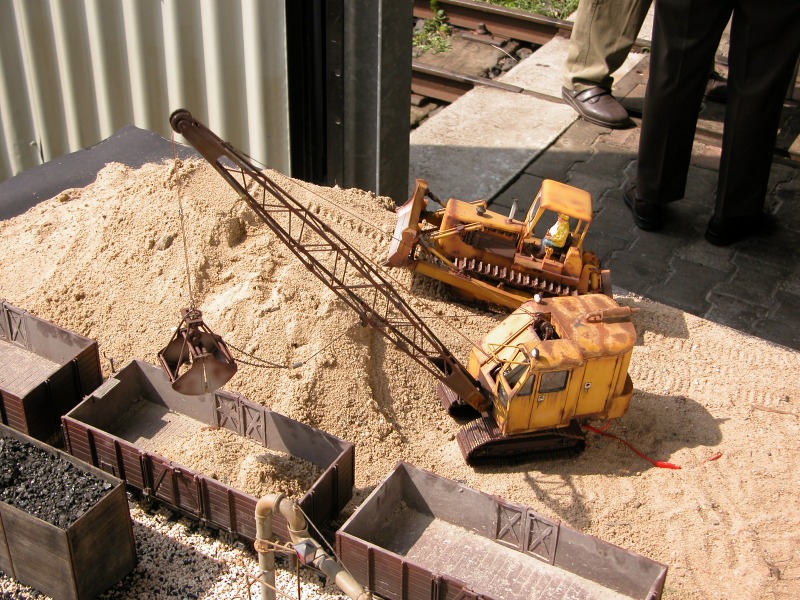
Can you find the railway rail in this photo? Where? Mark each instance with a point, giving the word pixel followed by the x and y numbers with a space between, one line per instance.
pixel 487 23
pixel 482 22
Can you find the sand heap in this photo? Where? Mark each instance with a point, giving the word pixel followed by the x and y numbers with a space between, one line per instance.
pixel 109 261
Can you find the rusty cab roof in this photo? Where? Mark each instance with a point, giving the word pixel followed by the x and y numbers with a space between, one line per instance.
pixel 562 198
pixel 579 338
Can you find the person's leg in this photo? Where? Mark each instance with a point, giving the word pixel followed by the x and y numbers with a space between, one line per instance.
pixel 765 42
pixel 603 34
pixel 686 35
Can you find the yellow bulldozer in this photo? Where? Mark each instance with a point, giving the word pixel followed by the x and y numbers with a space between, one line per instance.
pixel 496 258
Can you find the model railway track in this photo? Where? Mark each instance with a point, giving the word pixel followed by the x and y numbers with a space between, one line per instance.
pixel 485 23
pixel 496 25
pixel 503 23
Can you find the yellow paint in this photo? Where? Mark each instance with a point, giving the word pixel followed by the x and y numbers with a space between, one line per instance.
pixel 470 231
pixel 523 370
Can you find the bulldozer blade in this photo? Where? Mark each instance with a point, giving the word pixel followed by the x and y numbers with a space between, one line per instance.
pixel 406 231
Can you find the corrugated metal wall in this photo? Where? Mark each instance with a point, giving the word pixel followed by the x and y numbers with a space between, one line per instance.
pixel 76 71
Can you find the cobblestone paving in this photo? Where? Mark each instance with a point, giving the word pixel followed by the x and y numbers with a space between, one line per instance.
pixel 752 286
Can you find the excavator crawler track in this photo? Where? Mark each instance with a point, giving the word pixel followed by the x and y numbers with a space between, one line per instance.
pixel 482 443
pixel 514 278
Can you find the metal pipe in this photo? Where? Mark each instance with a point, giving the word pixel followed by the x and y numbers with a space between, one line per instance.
pixel 513 211
pixel 266 558
pixel 298 533
pixel 440 235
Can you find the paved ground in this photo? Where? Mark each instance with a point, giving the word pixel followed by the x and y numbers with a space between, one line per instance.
pixel 498 145
pixel 753 286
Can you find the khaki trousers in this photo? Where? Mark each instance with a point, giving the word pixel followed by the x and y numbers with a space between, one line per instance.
pixel 603 34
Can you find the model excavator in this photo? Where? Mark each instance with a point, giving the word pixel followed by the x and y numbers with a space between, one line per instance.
pixel 529 383
pixel 498 259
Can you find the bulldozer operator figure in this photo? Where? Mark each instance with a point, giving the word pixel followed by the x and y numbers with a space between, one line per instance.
pixel 557 237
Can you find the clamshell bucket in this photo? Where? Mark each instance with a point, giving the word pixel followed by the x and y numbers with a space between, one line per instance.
pixel 210 364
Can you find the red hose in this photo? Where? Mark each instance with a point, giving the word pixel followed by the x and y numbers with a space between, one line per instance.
pixel 658 463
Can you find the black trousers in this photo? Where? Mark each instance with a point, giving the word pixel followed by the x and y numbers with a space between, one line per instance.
pixel 764 47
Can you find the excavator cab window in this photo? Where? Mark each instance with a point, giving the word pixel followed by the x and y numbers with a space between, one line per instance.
pixel 514 373
pixel 515 378
pixel 553 381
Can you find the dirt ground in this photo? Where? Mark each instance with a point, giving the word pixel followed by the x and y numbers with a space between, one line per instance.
pixel 108 261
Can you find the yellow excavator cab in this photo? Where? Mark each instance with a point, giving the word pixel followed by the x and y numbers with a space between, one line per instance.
pixel 557 360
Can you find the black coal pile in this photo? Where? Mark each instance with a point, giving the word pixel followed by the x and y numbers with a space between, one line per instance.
pixel 45 486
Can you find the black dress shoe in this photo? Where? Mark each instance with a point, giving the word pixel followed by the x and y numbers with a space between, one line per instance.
pixel 724 232
pixel 598 106
pixel 716 88
pixel 647 216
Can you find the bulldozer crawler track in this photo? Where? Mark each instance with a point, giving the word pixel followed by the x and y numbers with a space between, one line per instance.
pixel 482 443
pixel 514 278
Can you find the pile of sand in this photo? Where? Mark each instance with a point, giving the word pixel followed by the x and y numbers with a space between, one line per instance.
pixel 108 261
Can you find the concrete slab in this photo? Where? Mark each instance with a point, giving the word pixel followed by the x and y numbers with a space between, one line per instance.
pixel 484 140
pixel 543 71
pixel 481 142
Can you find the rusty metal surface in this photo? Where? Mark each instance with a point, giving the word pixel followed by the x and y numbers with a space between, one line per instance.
pixel 193 343
pixel 449 86
pixel 45 371
pixel 498 20
pixel 419 536
pixel 501 21
pixel 92 437
pixel 497 258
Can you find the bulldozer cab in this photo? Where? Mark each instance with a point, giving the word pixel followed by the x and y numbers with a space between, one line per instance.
pixel 556 198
